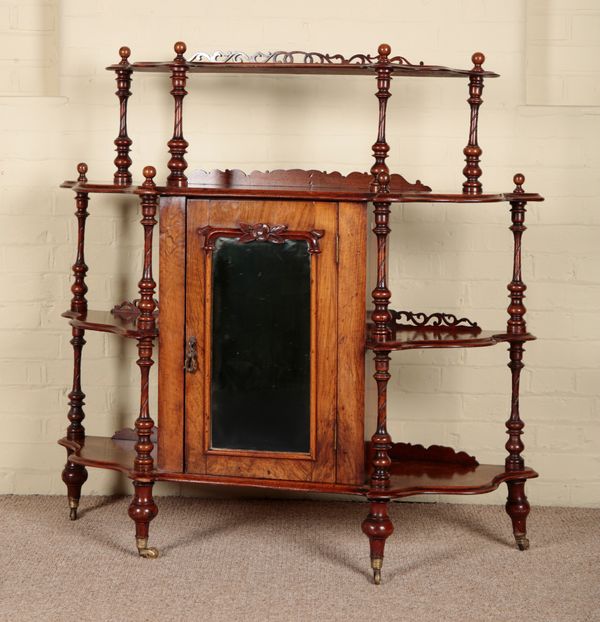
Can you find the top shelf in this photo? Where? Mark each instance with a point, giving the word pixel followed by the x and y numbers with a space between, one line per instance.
pixel 295 62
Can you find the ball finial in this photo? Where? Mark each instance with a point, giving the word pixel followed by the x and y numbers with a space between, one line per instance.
pixel 149 172
pixel 82 169
pixel 478 59
pixel 384 50
pixel 519 180
pixel 124 53
pixel 180 48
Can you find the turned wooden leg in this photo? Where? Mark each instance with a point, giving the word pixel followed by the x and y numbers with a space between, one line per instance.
pixel 517 507
pixel 378 528
pixel 142 510
pixel 74 476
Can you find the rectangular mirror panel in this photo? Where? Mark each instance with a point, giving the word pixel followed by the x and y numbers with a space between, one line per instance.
pixel 261 327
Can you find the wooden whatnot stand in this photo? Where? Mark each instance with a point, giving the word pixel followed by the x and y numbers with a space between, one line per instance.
pixel 262 318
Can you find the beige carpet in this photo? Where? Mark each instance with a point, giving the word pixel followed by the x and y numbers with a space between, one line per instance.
pixel 283 560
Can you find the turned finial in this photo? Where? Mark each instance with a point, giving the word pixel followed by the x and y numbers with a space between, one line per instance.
pixel 519 180
pixel 384 50
pixel 180 48
pixel 82 169
pixel 478 59
pixel 124 53
pixel 149 173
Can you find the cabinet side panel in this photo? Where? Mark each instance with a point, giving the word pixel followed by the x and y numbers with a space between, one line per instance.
pixel 351 342
pixel 171 334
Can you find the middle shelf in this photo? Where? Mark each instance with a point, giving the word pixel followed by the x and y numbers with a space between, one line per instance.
pixel 401 337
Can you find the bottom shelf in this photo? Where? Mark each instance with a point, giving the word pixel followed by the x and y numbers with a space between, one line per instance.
pixel 415 470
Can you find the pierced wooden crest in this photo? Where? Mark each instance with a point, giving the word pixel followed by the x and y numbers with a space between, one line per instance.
pixel 293 57
pixel 128 310
pixel 422 320
pixel 261 232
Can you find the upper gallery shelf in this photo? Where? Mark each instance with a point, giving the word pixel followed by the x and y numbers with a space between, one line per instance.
pixel 294 62
pixel 379 185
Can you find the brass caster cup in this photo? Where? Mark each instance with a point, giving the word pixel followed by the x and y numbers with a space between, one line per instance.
pixel 522 542
pixel 376 565
pixel 144 550
pixel 73 505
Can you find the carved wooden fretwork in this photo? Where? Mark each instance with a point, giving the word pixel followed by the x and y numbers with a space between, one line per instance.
pixel 310 180
pixel 261 232
pixel 129 310
pixel 422 320
pixel 296 56
pixel 407 452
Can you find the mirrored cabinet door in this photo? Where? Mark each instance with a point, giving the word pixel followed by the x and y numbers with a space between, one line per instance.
pixel 261 321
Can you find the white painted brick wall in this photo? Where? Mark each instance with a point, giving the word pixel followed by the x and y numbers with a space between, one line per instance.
pixel 562 50
pixel 452 258
pixel 28 47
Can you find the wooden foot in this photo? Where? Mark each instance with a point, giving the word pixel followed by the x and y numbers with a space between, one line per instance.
pixel 517 507
pixel 74 476
pixel 142 510
pixel 378 528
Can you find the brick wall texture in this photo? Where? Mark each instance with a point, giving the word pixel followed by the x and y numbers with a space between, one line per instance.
pixel 57 107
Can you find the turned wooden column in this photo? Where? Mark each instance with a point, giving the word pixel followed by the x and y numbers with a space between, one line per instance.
pixel 122 176
pixel 75 475
pixel 142 508
pixel 378 526
pixel 517 505
pixel 178 145
pixel 472 151
pixel 381 148
pixel 381 178
pixel 381 441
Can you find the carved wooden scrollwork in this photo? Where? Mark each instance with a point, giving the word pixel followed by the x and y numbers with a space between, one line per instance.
pixel 422 320
pixel 261 232
pixel 295 56
pixel 408 452
pixel 129 310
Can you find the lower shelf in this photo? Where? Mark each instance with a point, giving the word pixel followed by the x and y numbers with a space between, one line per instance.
pixel 415 470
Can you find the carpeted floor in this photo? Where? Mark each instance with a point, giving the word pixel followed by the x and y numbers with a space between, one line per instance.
pixel 280 560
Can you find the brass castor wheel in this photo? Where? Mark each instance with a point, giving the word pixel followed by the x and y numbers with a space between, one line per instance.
pixel 73 505
pixel 522 542
pixel 376 566
pixel 144 550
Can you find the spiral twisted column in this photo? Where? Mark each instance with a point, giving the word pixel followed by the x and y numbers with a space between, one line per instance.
pixel 472 151
pixel 178 145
